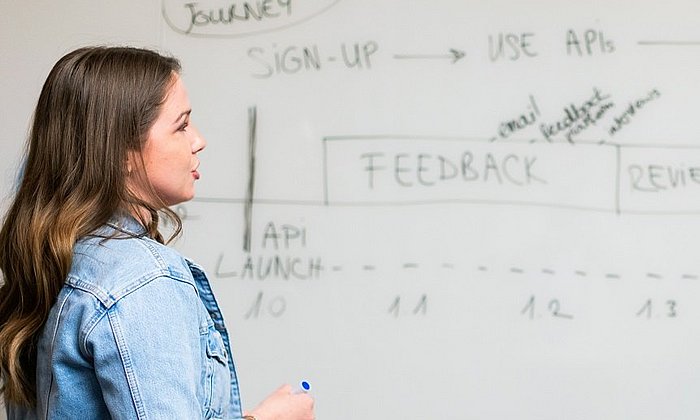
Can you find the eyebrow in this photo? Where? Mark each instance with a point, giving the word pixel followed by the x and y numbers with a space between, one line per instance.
pixel 179 117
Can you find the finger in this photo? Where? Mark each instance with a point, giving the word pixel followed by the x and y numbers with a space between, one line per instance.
pixel 284 389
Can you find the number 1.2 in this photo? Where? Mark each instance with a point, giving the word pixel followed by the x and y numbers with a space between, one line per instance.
pixel 553 306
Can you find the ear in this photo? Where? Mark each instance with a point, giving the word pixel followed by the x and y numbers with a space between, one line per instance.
pixel 130 162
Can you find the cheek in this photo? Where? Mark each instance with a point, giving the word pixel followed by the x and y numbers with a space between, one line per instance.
pixel 173 159
pixel 171 172
pixel 168 164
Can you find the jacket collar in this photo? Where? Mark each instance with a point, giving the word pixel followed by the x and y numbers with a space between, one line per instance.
pixel 126 223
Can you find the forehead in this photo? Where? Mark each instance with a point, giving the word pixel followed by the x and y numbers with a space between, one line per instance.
pixel 176 99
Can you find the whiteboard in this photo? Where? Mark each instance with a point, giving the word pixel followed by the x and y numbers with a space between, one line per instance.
pixel 430 209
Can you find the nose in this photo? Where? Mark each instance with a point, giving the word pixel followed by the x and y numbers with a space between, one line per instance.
pixel 198 141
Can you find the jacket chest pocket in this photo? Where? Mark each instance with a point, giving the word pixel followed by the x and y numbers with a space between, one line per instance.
pixel 217 377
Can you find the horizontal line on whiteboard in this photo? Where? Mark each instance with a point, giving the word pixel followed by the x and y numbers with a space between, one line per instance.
pixel 332 203
pixel 458 139
pixel 669 43
pixel 659 146
pixel 258 201
pixel 661 212
pixel 321 203
pixel 402 137
pixel 509 141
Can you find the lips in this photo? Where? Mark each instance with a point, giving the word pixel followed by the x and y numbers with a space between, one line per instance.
pixel 195 173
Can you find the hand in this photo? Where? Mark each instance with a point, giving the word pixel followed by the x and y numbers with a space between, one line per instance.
pixel 283 404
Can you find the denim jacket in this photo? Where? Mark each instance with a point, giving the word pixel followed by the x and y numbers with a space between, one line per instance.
pixel 135 333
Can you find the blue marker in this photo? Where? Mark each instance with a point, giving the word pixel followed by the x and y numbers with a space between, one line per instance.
pixel 305 387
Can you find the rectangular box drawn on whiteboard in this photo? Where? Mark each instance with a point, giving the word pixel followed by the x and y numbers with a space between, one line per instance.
pixel 415 170
pixel 393 170
pixel 662 180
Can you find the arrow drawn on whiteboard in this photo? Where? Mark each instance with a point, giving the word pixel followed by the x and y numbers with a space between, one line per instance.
pixel 454 54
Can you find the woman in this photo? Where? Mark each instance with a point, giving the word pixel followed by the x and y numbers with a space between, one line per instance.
pixel 98 318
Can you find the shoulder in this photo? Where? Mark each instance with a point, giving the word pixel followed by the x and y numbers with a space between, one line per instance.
pixel 110 269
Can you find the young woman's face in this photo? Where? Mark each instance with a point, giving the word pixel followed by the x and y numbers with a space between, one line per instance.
pixel 170 152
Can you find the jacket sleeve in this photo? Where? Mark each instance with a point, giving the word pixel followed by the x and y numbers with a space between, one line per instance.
pixel 148 352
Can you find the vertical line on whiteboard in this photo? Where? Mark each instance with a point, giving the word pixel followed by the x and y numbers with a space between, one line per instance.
pixel 252 124
pixel 325 172
pixel 618 165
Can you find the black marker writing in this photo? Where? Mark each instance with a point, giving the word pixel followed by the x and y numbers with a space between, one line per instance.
pixel 237 12
pixel 427 169
pixel 631 110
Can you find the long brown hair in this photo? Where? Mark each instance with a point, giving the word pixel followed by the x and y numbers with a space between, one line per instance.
pixel 96 106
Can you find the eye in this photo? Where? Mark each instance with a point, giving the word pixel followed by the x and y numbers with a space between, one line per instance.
pixel 183 126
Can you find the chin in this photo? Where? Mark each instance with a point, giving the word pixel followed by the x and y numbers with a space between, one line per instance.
pixel 188 197
pixel 179 200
